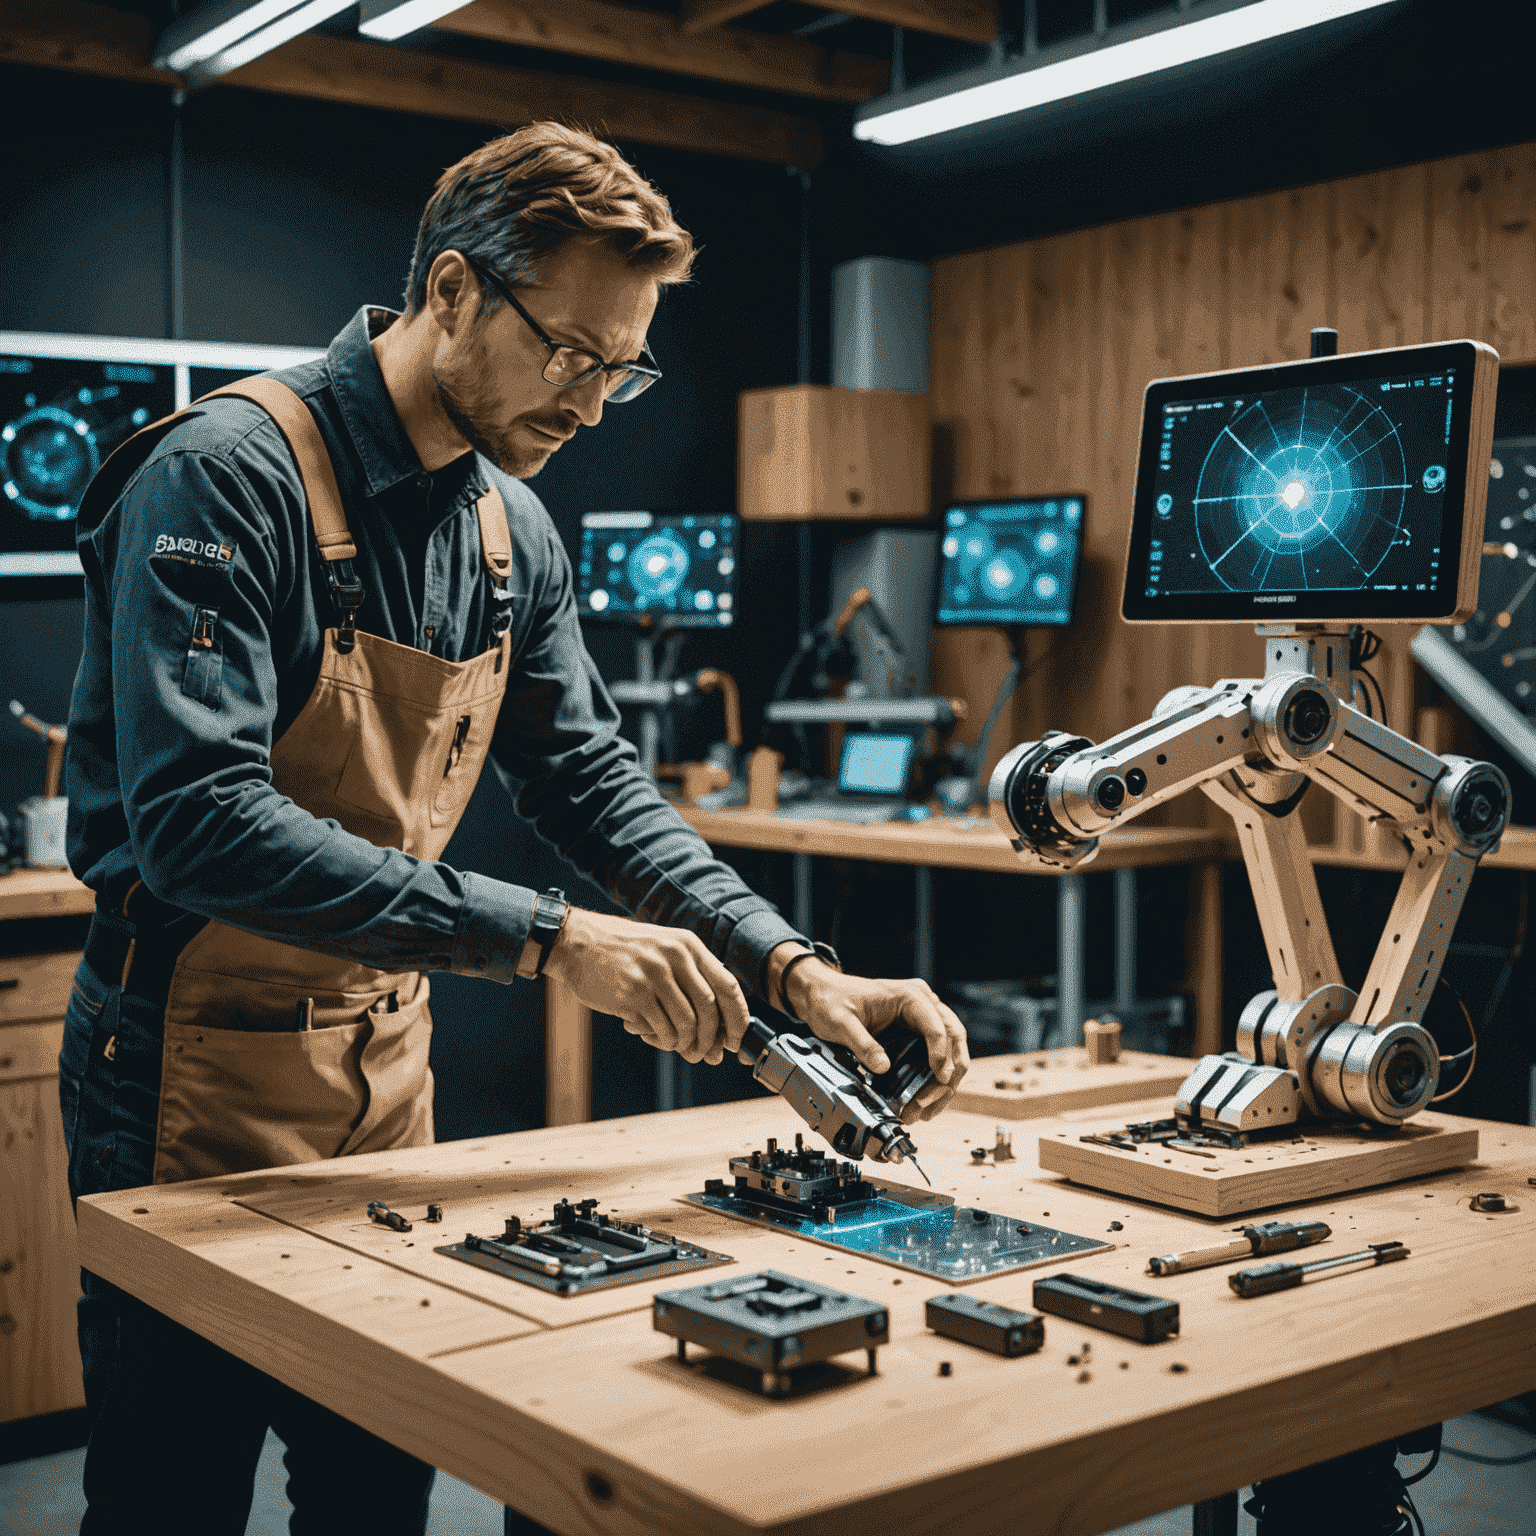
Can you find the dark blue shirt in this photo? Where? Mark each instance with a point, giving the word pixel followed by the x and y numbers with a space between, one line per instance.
pixel 169 775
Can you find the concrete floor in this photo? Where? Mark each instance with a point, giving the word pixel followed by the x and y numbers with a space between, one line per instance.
pixel 42 1497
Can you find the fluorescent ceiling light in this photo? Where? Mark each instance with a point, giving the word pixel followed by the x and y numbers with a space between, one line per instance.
pixel 221 35
pixel 389 19
pixel 902 117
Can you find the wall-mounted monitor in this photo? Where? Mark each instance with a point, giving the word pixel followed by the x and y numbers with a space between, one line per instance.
pixel 1011 561
pixel 1335 489
pixel 65 403
pixel 673 572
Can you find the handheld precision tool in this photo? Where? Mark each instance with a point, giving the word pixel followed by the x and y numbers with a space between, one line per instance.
pixel 1272 1237
pixel 857 1113
pixel 1281 1277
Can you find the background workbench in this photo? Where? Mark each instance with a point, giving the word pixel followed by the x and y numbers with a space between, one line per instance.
pixel 965 842
pixel 577 1413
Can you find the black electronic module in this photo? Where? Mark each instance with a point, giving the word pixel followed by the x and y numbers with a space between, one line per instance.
pixel 579 1250
pixel 771 1322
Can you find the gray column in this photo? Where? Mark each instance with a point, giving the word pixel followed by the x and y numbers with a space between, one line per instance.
pixel 1070 939
pixel 922 920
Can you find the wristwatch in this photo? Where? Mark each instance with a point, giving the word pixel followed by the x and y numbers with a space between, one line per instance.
pixel 549 914
pixel 818 951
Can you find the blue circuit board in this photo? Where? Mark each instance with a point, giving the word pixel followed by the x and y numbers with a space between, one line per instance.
pixel 916 1230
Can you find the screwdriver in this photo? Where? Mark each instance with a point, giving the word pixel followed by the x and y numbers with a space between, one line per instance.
pixel 1272 1237
pixel 1281 1277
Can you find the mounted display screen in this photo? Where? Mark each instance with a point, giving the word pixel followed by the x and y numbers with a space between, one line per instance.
pixel 59 419
pixel 638 568
pixel 1010 562
pixel 1333 489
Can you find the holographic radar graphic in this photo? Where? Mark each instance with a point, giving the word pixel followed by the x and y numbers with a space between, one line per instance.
pixel 1302 490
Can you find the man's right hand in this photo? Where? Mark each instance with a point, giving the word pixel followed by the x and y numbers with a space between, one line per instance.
pixel 662 982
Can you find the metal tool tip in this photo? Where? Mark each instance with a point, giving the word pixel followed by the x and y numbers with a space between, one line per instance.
pixel 919 1167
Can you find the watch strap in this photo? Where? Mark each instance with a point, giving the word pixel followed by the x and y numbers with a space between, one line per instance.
pixel 549 913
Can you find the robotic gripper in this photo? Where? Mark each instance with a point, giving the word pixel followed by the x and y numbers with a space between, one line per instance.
pixel 1309 1046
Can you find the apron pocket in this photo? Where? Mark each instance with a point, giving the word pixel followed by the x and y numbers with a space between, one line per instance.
pixel 267 1095
pixel 232 1100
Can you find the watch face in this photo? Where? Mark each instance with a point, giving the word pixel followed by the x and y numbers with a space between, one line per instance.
pixel 1500 638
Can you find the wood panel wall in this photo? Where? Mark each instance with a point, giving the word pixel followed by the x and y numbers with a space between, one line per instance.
pixel 1041 352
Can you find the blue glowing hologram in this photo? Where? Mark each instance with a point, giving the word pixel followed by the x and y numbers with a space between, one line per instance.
pixel 1434 478
pixel 1302 489
pixel 49 456
pixel 658 565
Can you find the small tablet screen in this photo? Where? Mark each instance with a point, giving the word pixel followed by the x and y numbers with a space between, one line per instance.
pixel 875 763
pixel 1329 489
pixel 638 568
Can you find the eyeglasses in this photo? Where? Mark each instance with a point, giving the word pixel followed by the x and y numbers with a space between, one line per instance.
pixel 569 366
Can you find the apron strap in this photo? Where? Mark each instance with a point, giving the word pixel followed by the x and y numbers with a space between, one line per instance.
pixel 327 516
pixel 495 536
pixel 496 546
pixel 321 493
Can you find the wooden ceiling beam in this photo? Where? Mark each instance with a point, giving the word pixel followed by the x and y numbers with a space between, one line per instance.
pixel 701 15
pixel 969 21
pixel 94 39
pixel 623 34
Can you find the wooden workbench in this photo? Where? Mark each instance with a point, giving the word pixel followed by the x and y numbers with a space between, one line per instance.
pixel 577 1413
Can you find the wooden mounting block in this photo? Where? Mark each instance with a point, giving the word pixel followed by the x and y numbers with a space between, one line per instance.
pixel 1325 1159
pixel 1041 1083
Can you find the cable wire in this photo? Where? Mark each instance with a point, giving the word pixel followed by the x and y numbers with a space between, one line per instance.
pixel 1470 1053
pixel 1490 1461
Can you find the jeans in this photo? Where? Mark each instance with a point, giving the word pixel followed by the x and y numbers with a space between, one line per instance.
pixel 177 1424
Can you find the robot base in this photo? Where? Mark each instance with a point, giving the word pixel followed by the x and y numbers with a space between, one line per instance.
pixel 1319 1159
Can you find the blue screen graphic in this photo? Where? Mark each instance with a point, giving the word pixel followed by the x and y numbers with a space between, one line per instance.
pixel 1336 487
pixel 59 420
pixel 674 571
pixel 1010 562
pixel 875 763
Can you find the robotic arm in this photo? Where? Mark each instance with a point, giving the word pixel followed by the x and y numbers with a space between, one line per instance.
pixel 1309 1046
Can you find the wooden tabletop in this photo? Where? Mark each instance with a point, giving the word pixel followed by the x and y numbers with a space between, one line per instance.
pixel 1517 850
pixel 43 893
pixel 947 842
pixel 576 1412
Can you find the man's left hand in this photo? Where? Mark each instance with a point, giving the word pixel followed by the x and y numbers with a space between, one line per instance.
pixel 852 1010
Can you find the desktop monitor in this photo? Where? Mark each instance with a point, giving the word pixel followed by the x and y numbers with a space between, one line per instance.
pixel 66 402
pixel 1339 489
pixel 875 763
pixel 1010 561
pixel 59 419
pixel 642 569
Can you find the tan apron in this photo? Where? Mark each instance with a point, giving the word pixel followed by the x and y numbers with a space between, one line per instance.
pixel 274 1054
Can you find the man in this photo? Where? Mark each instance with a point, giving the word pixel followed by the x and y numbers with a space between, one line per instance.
pixel 313 611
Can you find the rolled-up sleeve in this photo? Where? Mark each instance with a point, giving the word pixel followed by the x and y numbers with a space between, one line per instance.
pixel 581 784
pixel 189 575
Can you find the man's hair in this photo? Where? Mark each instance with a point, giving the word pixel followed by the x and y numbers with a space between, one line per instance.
pixel 521 198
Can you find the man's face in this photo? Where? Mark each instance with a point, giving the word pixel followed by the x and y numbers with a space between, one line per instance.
pixel 490 371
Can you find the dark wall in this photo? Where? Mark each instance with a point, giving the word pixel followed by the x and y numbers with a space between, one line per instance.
pixel 297 213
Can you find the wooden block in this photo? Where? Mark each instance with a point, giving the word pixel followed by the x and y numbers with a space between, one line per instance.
pixel 763 779
pixel 1043 1083
pixel 1327 1159
pixel 1101 1039
pixel 810 451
